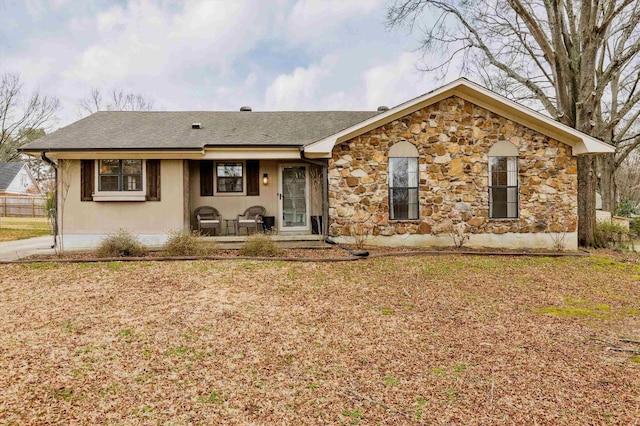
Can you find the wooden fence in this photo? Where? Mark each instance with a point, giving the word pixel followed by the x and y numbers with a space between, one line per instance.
pixel 22 206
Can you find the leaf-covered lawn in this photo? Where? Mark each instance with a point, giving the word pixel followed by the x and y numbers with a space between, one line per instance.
pixel 19 228
pixel 423 340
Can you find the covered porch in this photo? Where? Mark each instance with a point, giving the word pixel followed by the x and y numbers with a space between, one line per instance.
pixel 289 192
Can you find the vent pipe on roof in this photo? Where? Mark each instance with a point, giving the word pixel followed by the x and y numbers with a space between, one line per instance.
pixel 245 109
pixel 196 126
pixel 383 108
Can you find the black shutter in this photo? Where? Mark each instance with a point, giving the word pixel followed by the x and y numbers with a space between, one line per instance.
pixel 153 180
pixel 86 180
pixel 206 178
pixel 253 177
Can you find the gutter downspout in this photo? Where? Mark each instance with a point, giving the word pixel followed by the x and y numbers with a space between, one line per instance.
pixel 43 156
pixel 325 190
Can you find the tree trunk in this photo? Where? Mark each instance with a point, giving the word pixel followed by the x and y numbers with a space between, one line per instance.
pixel 586 200
pixel 606 174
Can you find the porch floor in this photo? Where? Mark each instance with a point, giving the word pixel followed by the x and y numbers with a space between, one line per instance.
pixel 233 242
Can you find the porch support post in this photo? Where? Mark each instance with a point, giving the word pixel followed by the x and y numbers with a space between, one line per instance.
pixel 325 190
pixel 325 200
pixel 186 195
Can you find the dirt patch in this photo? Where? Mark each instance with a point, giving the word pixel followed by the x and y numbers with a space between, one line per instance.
pixel 408 340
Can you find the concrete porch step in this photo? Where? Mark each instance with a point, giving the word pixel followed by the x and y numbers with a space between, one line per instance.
pixel 234 242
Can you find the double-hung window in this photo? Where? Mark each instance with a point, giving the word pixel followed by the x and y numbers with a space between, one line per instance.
pixel 229 177
pixel 120 175
pixel 403 188
pixel 503 187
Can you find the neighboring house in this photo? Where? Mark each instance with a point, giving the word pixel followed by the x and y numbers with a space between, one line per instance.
pixel 459 156
pixel 16 179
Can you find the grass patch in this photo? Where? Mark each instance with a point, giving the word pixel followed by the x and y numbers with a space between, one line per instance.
pixel 578 308
pixel 63 393
pixel 214 397
pixel 20 228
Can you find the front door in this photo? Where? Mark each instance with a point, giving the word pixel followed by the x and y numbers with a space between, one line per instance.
pixel 294 201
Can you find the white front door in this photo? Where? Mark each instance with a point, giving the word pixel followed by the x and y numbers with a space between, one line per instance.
pixel 294 198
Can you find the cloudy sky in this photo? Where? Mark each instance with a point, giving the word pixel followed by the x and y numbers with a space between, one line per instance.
pixel 214 54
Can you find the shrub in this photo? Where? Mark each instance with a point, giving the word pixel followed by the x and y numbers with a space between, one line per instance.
pixel 607 233
pixel 120 244
pixel 185 243
pixel 634 226
pixel 627 209
pixel 260 245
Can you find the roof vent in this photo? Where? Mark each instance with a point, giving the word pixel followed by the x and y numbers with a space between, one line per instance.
pixel 245 108
pixel 383 108
pixel 196 125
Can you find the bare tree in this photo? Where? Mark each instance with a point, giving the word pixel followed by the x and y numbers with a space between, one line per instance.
pixel 628 178
pixel 577 59
pixel 22 118
pixel 117 100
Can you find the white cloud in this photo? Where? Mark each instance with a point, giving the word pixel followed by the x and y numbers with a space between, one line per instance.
pixel 313 21
pixel 149 38
pixel 395 81
pixel 300 88
pixel 214 54
pixel 251 80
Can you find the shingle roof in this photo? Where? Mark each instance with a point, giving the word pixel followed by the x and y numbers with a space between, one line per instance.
pixel 8 172
pixel 172 130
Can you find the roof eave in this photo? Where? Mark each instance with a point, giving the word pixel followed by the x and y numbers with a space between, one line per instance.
pixel 581 143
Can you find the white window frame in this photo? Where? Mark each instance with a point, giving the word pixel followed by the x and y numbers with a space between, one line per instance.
pixel 408 188
pixel 244 179
pixel 119 195
pixel 512 173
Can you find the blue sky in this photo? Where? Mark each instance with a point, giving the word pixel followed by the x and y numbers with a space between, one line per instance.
pixel 213 55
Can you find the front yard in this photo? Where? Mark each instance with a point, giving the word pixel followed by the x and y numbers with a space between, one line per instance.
pixel 20 228
pixel 416 340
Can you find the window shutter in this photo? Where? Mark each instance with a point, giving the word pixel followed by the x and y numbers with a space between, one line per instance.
pixel 153 180
pixel 206 178
pixel 253 177
pixel 87 170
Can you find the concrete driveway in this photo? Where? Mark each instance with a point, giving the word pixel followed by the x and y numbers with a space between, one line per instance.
pixel 13 250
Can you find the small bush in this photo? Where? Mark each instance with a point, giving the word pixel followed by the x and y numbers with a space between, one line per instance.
pixel 627 209
pixel 120 244
pixel 260 245
pixel 634 226
pixel 607 233
pixel 184 243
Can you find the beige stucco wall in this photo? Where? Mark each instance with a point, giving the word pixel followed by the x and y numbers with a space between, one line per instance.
pixel 230 205
pixel 105 217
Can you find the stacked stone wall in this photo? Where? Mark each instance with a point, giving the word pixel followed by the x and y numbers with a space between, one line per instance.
pixel 453 138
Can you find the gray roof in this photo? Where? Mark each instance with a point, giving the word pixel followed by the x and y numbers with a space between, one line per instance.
pixel 8 172
pixel 172 130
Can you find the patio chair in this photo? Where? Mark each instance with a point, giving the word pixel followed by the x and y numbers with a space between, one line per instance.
pixel 251 219
pixel 208 218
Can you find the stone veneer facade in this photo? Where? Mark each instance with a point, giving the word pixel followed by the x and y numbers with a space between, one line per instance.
pixel 453 138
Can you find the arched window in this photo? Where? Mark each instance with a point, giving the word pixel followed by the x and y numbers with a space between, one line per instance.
pixel 503 180
pixel 403 181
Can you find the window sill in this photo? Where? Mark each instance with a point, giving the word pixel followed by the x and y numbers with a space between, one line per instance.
pixel 502 219
pixel 229 194
pixel 119 196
